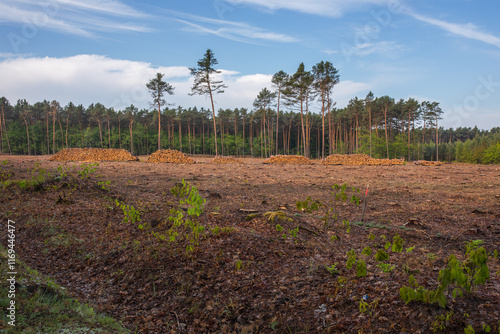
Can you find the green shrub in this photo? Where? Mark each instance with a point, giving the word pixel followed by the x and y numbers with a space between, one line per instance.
pixel 491 155
pixel 465 275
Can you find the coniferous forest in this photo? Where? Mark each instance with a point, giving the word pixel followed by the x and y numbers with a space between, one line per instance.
pixel 279 122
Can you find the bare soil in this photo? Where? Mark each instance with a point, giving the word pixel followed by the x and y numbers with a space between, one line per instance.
pixel 252 279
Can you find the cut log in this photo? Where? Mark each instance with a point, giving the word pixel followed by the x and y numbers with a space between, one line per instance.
pixel 93 154
pixel 169 156
pixel 288 160
pixel 359 160
pixel 226 160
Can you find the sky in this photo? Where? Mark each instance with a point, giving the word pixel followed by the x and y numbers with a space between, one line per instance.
pixel 88 51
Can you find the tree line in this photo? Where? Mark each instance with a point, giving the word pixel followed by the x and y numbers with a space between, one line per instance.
pixel 280 121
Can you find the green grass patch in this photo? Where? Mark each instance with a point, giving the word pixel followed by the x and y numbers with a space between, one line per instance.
pixel 42 306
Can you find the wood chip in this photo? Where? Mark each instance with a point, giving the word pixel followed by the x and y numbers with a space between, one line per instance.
pixel 359 160
pixel 428 163
pixel 226 160
pixel 93 154
pixel 288 160
pixel 169 156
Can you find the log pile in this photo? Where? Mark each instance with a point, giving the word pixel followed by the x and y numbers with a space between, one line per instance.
pixel 226 160
pixel 359 160
pixel 288 160
pixel 428 163
pixel 169 156
pixel 93 154
pixel 386 162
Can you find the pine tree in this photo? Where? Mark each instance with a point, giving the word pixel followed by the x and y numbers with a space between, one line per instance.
pixel 157 87
pixel 206 84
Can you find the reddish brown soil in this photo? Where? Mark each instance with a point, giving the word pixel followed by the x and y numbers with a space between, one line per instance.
pixel 252 280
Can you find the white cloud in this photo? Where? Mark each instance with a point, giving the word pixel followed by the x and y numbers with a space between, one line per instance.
pixel 334 8
pixel 75 17
pixel 81 79
pixel 468 30
pixel 346 90
pixel 86 79
pixel 485 119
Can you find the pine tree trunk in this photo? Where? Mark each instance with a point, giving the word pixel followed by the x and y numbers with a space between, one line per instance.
pixel 437 140
pixel 62 132
pixel 409 135
pixel 119 134
pixel 221 135
pixel 189 136
pixel 180 135
pixel 82 132
pixel 302 125
pixel 278 120
pixel 288 139
pixel 386 137
pixel 130 125
pixel 27 133
pixel 243 146
pixel 67 122
pixel 48 136
pixel 251 136
pixel 261 140
pixel 298 150
pixel 1 129
pixel 109 135
pixel 264 127
pixel 159 127
pixel 306 139
pixel 235 134
pixel 100 133
pixel 54 131
pixel 357 134
pixel 323 124
pixel 370 127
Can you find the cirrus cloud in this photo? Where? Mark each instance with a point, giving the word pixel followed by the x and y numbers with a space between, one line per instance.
pixel 334 8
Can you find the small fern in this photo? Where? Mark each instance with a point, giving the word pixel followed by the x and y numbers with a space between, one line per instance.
pixel 279 215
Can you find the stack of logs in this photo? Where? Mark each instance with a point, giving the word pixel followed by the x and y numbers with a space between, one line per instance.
pixel 428 163
pixel 226 160
pixel 93 154
pixel 170 156
pixel 359 159
pixel 288 160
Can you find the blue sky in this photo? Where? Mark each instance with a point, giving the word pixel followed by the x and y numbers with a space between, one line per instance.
pixel 106 50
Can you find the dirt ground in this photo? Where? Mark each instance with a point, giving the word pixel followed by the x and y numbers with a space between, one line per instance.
pixel 256 278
